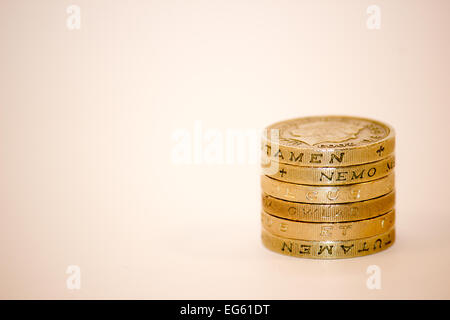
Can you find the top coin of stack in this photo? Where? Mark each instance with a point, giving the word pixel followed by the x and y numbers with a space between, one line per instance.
pixel 328 187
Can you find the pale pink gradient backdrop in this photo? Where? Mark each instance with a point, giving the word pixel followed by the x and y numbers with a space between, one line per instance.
pixel 86 119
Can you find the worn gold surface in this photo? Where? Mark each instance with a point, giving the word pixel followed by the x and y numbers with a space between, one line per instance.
pixel 328 249
pixel 334 176
pixel 328 212
pixel 328 231
pixel 329 141
pixel 327 194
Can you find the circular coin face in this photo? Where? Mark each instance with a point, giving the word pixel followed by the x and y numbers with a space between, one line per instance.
pixel 333 132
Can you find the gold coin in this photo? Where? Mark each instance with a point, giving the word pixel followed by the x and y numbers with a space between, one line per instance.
pixel 328 249
pixel 327 194
pixel 328 231
pixel 334 176
pixel 328 141
pixel 328 212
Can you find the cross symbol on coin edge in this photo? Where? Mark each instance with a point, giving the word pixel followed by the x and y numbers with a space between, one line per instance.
pixel 379 151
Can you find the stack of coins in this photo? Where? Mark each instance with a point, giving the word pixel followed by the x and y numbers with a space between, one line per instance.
pixel 328 187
